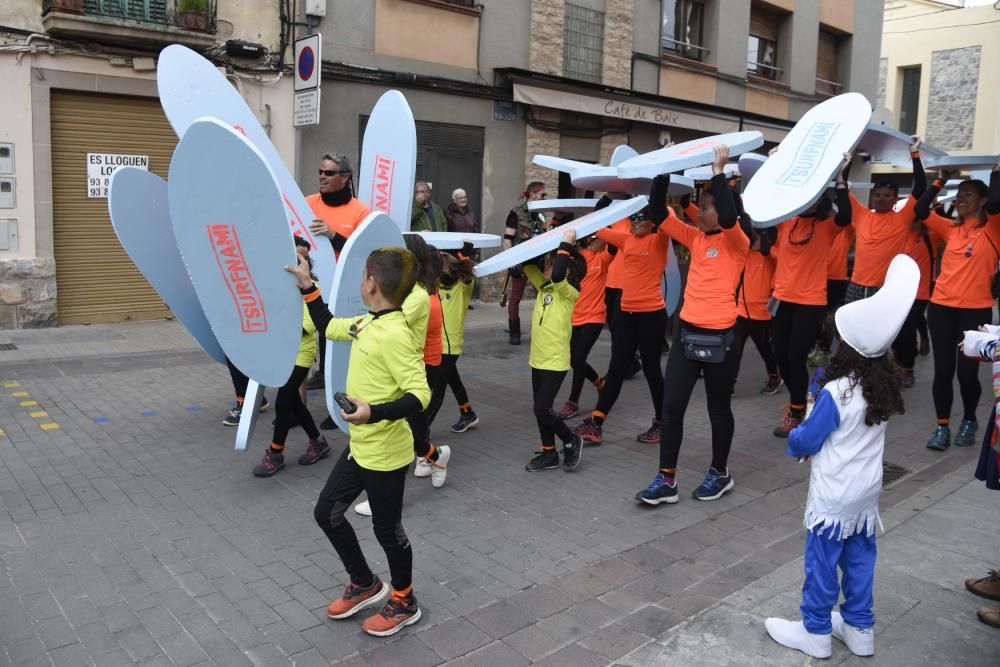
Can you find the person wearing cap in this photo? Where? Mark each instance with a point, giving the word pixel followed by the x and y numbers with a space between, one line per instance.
pixel 843 439
pixel 962 298
pixel 337 214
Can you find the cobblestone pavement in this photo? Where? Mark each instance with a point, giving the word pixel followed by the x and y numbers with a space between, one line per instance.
pixel 130 533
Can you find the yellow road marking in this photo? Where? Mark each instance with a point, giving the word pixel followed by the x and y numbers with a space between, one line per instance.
pixel 29 404
pixel 9 385
pixel 19 394
pixel 40 413
pixel 50 426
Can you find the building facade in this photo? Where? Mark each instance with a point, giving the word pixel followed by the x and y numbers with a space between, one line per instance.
pixel 491 84
pixel 80 86
pixel 935 80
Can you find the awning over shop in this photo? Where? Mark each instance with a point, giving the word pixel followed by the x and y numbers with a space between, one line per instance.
pixel 659 114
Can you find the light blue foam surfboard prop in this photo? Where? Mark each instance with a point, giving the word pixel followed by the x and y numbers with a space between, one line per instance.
pixel 248 415
pixel 791 179
pixel 704 173
pixel 671 281
pixel 190 88
pixel 456 240
pixel 567 205
pixel 963 162
pixel 389 159
pixel 140 216
pixel 230 229
pixel 376 231
pixel 550 240
pixel 596 177
pixel 748 165
pixel 887 144
pixel 694 153
pixel 621 153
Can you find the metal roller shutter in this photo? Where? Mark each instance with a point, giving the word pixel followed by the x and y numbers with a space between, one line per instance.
pixel 96 280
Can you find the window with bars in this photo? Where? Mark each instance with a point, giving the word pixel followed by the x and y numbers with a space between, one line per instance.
pixel 583 43
pixel 762 46
pixel 153 11
pixel 682 30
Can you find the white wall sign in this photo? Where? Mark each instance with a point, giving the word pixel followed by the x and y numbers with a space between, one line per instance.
pixel 305 110
pixel 102 166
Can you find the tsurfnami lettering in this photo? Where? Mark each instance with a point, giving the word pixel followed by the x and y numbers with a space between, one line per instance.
pixel 809 155
pixel 236 274
pixel 381 194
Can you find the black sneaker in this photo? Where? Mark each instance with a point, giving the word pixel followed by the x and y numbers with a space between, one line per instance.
pixel 547 460
pixel 233 418
pixel 317 449
pixel 328 424
pixel 264 405
pixel 572 451
pixel 771 385
pixel 270 464
pixel 466 421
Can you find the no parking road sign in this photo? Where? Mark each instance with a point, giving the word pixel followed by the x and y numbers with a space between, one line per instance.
pixel 308 66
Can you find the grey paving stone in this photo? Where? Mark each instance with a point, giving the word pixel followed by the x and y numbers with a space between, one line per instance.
pixel 138 643
pixel 297 616
pixel 73 655
pixel 541 601
pixel 97 638
pixel 616 640
pixel 454 638
pixel 408 650
pixel 574 655
pixel 56 633
pixel 27 652
pixel 497 654
pixel 500 619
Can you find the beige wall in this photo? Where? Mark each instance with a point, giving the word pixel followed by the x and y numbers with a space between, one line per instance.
pixel 767 104
pixel 685 85
pixel 942 31
pixel 837 14
pixel 422 32
pixel 23 122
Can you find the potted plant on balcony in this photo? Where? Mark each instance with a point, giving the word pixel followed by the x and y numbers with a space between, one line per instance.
pixel 73 6
pixel 193 14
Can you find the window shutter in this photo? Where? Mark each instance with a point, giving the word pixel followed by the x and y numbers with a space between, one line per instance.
pixel 764 24
pixel 826 56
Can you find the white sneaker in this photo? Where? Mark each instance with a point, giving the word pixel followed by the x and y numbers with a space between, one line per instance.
pixel 794 635
pixel 363 508
pixel 423 468
pixel 439 468
pixel 859 641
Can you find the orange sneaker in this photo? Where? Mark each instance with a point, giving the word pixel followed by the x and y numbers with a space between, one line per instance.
pixel 356 598
pixel 394 616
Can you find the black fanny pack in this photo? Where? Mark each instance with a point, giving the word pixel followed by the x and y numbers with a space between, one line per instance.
pixel 707 348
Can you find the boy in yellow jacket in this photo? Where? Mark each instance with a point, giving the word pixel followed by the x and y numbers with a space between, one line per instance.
pixel 386 382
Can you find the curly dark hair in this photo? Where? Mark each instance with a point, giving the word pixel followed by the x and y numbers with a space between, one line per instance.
pixel 576 266
pixel 454 269
pixel 426 275
pixel 879 377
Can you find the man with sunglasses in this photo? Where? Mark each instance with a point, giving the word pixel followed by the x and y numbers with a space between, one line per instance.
pixel 337 214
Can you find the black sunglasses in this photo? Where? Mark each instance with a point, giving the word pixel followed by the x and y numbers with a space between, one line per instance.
pixel 332 172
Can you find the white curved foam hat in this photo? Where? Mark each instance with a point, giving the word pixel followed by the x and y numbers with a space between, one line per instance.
pixel 870 325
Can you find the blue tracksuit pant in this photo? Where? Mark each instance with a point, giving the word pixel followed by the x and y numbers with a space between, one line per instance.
pixel 855 556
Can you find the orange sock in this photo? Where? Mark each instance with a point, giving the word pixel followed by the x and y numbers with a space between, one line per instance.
pixel 276 448
pixel 403 595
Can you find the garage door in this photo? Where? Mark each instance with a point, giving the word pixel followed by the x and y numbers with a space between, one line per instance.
pixel 96 280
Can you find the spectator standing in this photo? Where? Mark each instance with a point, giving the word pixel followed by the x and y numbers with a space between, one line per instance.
pixel 426 216
pixel 459 216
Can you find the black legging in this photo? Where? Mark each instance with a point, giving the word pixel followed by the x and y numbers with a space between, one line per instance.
pixel 288 404
pixel 642 331
pixel 544 389
pixel 581 342
pixel 447 376
pixel 683 374
pixel 760 332
pixel 612 305
pixel 240 381
pixel 794 328
pixel 418 423
pixel 835 292
pixel 904 348
pixel 385 494
pixel 946 325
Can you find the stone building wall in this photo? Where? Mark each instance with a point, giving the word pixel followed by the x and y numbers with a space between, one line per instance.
pixel 951 109
pixel 883 72
pixel 27 293
pixel 545 49
pixel 618 43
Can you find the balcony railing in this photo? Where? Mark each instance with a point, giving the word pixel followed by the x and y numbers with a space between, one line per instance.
pixel 196 15
pixel 827 87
